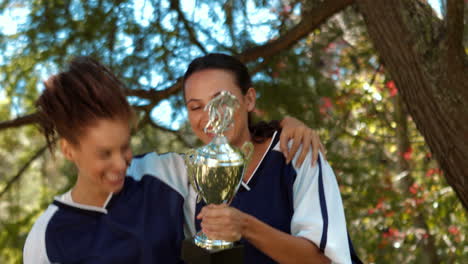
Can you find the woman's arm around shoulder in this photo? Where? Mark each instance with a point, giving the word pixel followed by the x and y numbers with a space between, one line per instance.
pixel 318 210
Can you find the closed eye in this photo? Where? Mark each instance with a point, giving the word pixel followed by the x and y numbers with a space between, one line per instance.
pixel 105 154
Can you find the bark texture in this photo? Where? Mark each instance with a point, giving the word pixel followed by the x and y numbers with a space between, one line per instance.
pixel 425 57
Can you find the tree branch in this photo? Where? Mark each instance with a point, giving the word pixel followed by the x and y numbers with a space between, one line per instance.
pixel 310 20
pixel 454 24
pixel 174 132
pixel 20 121
pixel 156 95
pixel 22 170
pixel 175 5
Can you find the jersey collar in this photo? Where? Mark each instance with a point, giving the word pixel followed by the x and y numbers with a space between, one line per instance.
pixel 274 140
pixel 66 199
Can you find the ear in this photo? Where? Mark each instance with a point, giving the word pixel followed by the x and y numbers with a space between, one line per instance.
pixel 67 149
pixel 250 99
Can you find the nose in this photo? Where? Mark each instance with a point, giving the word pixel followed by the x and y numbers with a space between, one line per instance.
pixel 203 120
pixel 120 163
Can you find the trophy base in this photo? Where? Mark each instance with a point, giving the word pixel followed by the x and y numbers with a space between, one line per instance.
pixel 193 254
pixel 203 241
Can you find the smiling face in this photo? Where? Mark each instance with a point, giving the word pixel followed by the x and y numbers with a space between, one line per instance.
pixel 102 156
pixel 204 85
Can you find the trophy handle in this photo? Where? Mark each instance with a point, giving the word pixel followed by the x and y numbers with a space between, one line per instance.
pixel 188 158
pixel 247 148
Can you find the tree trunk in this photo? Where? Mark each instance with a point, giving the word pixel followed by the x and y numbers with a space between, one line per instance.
pixel 425 58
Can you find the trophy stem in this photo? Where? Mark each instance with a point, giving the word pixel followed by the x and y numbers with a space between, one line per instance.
pixel 203 241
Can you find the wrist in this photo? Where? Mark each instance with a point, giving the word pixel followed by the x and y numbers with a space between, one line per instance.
pixel 248 224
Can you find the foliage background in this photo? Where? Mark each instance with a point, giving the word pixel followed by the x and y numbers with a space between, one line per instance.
pixel 398 206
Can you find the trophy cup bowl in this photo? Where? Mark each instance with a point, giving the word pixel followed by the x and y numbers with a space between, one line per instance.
pixel 216 171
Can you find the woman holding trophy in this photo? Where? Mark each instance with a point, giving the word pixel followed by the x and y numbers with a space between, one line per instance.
pixel 283 212
pixel 113 213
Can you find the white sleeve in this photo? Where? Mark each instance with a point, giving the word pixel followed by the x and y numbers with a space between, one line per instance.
pixel 171 169
pixel 318 210
pixel 168 167
pixel 35 251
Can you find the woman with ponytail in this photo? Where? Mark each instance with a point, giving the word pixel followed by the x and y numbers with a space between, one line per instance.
pixel 284 212
pixel 106 217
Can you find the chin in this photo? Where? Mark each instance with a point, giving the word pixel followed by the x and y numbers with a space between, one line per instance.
pixel 206 137
pixel 116 187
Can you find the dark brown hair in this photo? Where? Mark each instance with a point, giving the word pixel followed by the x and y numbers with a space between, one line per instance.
pixel 259 131
pixel 76 98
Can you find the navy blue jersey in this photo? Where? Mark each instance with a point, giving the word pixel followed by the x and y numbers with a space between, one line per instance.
pixel 143 223
pixel 301 201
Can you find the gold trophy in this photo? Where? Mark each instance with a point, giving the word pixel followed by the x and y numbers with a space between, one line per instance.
pixel 216 170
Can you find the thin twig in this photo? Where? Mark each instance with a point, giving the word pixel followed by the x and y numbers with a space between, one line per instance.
pixel 20 121
pixel 175 5
pixel 174 132
pixel 22 170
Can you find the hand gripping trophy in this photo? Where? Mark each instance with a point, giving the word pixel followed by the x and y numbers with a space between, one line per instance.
pixel 216 170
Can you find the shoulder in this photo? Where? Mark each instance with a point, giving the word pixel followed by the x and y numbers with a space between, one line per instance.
pixel 168 168
pixel 149 161
pixel 35 250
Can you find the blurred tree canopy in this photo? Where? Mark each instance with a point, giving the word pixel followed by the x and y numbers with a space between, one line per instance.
pixel 384 82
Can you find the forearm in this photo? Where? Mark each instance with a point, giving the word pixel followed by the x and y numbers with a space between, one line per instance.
pixel 280 246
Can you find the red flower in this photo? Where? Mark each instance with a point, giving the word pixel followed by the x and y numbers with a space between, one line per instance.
pixel 325 105
pixel 393 232
pixel 326 101
pixel 419 201
pixel 330 45
pixel 392 88
pixel 433 171
pixel 371 211
pixel 389 214
pixel 407 153
pixel 414 188
pixel 454 230
pixel 380 204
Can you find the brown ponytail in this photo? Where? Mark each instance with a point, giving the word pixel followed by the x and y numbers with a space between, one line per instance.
pixel 76 98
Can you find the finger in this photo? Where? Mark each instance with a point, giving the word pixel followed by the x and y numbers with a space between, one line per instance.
pixel 222 235
pixel 217 235
pixel 223 205
pixel 315 148
pixel 284 138
pixel 296 143
pixel 323 150
pixel 207 209
pixel 305 147
pixel 200 215
pixel 213 226
pixel 218 232
pixel 217 212
pixel 211 235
